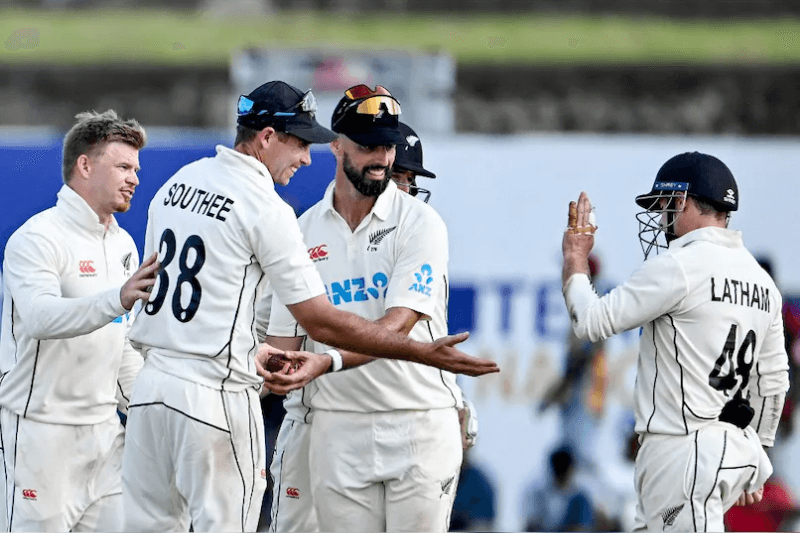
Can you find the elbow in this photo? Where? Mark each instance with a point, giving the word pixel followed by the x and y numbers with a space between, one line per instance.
pixel 38 330
pixel 580 330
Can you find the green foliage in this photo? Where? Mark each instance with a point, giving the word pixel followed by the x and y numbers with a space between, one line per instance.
pixel 173 38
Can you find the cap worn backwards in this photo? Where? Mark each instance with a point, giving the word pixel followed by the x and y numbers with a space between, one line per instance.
pixel 700 175
pixel 285 108
pixel 368 117
pixel 409 153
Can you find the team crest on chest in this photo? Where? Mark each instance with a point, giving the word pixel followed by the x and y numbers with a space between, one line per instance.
pixel 375 238
pixel 126 263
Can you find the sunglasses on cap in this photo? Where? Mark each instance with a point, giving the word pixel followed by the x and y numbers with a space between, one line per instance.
pixel 307 104
pixel 369 102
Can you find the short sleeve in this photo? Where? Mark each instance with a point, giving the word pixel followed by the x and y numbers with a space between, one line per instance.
pixel 278 243
pixel 419 277
pixel 282 323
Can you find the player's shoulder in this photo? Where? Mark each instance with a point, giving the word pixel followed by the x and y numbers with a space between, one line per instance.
pixel 42 225
pixel 313 213
pixel 412 208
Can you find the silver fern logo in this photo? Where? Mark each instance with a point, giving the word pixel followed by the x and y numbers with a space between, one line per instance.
pixel 671 514
pixel 376 238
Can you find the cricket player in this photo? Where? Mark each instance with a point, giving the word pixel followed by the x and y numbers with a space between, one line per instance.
pixel 408 164
pixel 292 508
pixel 385 258
pixel 195 450
pixel 713 371
pixel 71 280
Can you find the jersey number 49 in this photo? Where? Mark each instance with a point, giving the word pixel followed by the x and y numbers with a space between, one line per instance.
pixel 738 369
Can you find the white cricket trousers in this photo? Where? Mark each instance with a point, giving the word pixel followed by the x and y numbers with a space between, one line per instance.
pixel 61 477
pixel 193 456
pixel 688 482
pixel 292 504
pixel 385 471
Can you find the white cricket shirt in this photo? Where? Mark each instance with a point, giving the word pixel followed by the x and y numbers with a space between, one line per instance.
pixel 397 257
pixel 222 234
pixel 711 321
pixel 64 327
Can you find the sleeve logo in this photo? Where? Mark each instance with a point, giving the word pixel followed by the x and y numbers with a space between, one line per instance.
pixel 424 278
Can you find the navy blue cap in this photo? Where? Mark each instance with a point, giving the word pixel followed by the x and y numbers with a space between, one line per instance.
pixel 409 154
pixel 285 108
pixel 379 129
pixel 700 175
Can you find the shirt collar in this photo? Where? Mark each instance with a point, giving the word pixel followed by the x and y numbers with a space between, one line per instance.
pixel 245 161
pixel 383 204
pixel 721 236
pixel 78 210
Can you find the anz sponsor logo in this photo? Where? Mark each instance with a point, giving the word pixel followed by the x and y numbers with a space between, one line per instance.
pixel 358 289
pixel 423 280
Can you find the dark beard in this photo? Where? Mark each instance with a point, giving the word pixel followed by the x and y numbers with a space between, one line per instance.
pixel 362 183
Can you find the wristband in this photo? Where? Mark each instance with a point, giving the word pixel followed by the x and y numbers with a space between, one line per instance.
pixel 336 363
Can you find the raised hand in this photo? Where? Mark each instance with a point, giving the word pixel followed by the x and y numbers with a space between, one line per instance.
pixel 139 284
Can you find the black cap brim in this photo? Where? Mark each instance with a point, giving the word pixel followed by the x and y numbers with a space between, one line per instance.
pixel 415 169
pixel 316 134
pixel 377 137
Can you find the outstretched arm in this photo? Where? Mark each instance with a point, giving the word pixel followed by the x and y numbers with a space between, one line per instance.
pixel 309 366
pixel 333 327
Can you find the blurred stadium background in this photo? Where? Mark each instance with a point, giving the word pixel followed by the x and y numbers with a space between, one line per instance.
pixel 520 105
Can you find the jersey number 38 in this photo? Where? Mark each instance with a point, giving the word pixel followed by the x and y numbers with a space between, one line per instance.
pixel 188 275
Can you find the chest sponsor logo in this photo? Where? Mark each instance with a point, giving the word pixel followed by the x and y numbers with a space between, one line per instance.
pixel 424 278
pixel 292 492
pixel 357 289
pixel 86 269
pixel 318 253
pixel 29 494
pixel 376 237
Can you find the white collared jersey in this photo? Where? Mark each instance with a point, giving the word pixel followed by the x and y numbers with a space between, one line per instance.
pixel 223 237
pixel 711 325
pixel 64 327
pixel 397 257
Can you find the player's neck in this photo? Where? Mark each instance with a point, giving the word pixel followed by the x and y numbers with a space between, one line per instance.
pixel 351 204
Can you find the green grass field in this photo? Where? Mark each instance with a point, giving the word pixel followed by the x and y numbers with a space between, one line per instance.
pixel 169 38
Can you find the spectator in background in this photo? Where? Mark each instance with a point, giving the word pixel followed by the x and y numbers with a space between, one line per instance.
pixel 559 504
pixel 580 394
